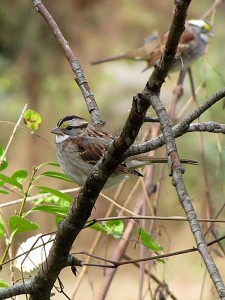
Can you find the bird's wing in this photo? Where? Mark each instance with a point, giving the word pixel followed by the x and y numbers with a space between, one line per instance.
pixel 92 150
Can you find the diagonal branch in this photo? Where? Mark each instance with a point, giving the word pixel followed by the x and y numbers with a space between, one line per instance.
pixel 76 68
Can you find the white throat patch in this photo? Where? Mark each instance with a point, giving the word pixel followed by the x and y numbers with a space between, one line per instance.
pixel 61 138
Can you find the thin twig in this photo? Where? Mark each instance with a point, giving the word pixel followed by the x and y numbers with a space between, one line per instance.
pixel 36 197
pixel 115 264
pixel 159 218
pixel 13 133
pixel 211 9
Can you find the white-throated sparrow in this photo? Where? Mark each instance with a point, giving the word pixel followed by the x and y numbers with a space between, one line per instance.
pixel 79 146
pixel 192 46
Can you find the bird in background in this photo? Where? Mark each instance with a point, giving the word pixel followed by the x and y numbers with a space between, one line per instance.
pixel 192 45
pixel 79 146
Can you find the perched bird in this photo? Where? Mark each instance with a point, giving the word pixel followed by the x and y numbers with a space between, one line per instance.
pixel 79 146
pixel 192 45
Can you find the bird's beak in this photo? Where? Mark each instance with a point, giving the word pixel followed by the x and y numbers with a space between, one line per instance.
pixel 57 131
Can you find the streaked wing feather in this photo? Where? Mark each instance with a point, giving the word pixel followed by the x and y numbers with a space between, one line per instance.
pixel 124 169
pixel 91 150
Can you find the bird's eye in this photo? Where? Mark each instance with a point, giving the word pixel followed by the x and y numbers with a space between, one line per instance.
pixel 69 127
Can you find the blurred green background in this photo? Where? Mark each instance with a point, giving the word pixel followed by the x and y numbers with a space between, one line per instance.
pixel 34 70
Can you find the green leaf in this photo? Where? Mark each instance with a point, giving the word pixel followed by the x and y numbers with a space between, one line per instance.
pixel 32 119
pixel 1 152
pixel 2 227
pixel 58 219
pixel 51 199
pixel 55 164
pixel 114 228
pixel 11 181
pixel 56 210
pixel 21 224
pixel 55 193
pixel 3 284
pixel 4 192
pixel 57 175
pixel 98 227
pixel 20 175
pixel 148 241
pixel 4 165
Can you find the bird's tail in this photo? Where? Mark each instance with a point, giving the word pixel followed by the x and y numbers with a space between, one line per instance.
pixel 137 161
pixel 112 58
